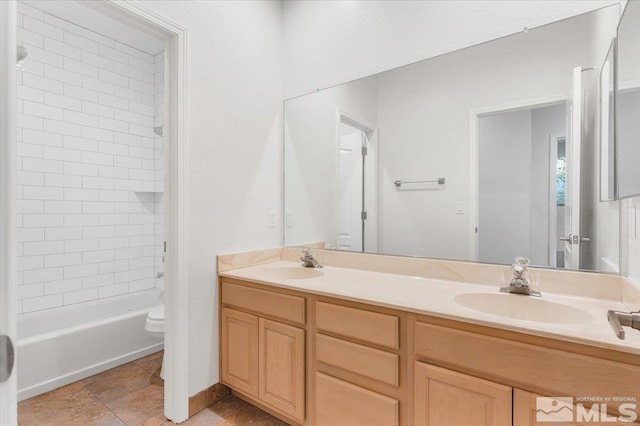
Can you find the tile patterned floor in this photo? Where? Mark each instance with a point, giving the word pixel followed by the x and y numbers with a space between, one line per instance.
pixel 129 395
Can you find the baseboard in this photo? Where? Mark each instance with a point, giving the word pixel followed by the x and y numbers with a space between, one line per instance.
pixel 205 398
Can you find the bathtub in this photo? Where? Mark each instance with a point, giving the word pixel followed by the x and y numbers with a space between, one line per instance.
pixel 60 346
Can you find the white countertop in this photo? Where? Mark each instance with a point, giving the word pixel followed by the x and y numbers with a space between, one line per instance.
pixel 438 298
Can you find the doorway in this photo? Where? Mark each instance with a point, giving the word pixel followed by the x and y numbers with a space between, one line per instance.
pixel 351 208
pixel 356 183
pixel 515 208
pixel 557 198
pixel 173 37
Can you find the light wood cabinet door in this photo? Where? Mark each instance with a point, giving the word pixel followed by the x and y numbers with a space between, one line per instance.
pixel 282 384
pixel 239 351
pixel 525 409
pixel 447 398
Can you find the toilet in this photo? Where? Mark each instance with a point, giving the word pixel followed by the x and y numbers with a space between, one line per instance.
pixel 155 326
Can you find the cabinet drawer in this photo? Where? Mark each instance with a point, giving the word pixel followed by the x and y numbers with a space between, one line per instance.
pixel 342 403
pixel 370 327
pixel 277 305
pixel 526 365
pixel 369 362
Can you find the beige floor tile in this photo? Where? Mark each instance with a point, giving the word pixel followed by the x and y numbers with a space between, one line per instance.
pixel 60 406
pixel 240 413
pixel 139 406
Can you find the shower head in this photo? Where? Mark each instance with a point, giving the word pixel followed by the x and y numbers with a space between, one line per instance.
pixel 22 53
pixel 159 130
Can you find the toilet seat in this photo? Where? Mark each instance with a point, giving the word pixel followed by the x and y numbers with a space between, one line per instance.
pixel 155 320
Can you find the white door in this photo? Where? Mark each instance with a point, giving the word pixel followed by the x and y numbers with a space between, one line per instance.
pixel 574 140
pixel 351 188
pixel 8 124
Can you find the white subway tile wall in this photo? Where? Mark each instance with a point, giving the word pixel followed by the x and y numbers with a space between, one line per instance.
pixel 90 167
pixel 158 161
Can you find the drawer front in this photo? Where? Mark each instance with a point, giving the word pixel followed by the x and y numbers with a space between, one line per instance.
pixel 523 364
pixel 369 362
pixel 342 403
pixel 277 305
pixel 366 326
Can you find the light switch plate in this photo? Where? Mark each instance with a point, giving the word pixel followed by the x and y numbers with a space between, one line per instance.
pixel 459 207
pixel 289 218
pixel 273 218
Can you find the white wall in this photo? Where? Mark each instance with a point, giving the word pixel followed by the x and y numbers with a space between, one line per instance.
pixel 628 148
pixel 85 152
pixel 629 66
pixel 235 143
pixel 631 237
pixel 368 37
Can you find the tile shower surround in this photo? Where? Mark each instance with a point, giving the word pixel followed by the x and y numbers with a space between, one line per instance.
pixel 89 219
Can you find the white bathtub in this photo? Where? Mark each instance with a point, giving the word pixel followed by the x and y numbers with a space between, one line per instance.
pixel 60 346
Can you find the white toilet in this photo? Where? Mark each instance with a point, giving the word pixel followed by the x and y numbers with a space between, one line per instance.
pixel 155 326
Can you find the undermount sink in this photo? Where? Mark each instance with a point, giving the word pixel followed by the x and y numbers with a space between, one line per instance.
pixel 524 308
pixel 293 273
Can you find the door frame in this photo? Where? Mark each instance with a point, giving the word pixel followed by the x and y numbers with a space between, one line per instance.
pixel 176 391
pixel 554 138
pixel 176 330
pixel 8 197
pixel 370 175
pixel 474 119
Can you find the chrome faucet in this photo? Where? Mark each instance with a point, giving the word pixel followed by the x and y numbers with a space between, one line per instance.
pixel 617 319
pixel 519 282
pixel 308 260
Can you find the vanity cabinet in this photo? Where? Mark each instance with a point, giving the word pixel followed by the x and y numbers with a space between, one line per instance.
pixel 541 366
pixel 263 357
pixel 321 361
pixel 443 397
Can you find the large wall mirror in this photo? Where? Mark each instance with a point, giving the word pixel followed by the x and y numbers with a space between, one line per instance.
pixel 628 103
pixel 482 154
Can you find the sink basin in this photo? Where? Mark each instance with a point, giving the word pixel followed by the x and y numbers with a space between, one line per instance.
pixel 524 308
pixel 293 273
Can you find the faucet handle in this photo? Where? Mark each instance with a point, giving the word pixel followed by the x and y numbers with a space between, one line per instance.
pixel 519 268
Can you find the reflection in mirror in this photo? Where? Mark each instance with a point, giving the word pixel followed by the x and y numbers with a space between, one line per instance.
pixel 607 125
pixel 628 103
pixel 482 154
